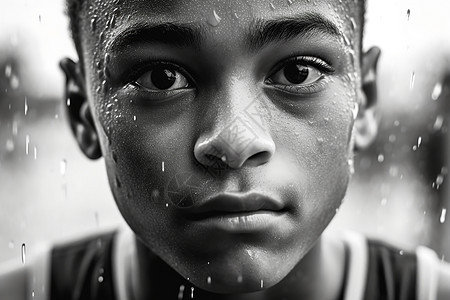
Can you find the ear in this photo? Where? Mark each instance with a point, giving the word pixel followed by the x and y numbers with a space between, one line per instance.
pixel 78 110
pixel 366 125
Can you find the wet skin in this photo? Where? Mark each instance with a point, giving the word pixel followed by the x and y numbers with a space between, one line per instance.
pixel 199 104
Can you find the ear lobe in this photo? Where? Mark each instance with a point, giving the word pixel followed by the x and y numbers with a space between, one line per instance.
pixel 78 110
pixel 366 125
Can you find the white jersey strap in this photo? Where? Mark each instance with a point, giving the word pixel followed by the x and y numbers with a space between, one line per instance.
pixel 357 247
pixel 38 287
pixel 427 274
pixel 124 249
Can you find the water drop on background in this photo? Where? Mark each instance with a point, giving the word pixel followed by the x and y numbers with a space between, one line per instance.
pixel 27 144
pixel 26 106
pixel 63 167
pixel 412 81
pixel 443 215
pixel 24 253
pixel 438 123
pixel 437 90
pixel 181 292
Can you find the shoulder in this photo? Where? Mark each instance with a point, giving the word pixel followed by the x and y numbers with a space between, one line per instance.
pixel 55 269
pixel 379 270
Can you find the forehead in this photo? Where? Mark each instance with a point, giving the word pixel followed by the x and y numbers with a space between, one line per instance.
pixel 231 15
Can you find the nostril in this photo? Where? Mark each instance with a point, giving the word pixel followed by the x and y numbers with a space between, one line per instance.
pixel 260 157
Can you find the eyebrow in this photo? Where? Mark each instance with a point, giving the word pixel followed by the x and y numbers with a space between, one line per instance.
pixel 260 34
pixel 175 34
pixel 264 32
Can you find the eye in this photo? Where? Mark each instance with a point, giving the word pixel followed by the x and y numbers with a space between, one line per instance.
pixel 163 78
pixel 295 73
pixel 300 75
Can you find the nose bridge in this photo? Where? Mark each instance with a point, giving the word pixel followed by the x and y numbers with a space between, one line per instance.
pixel 238 134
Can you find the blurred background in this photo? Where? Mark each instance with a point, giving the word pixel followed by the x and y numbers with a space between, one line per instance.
pixel 400 191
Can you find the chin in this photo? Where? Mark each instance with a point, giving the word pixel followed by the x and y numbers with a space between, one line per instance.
pixel 241 274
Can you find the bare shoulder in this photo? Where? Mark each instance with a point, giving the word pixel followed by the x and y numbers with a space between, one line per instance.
pixel 444 281
pixel 13 282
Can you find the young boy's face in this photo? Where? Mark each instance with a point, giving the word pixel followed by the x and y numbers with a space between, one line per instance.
pixel 226 127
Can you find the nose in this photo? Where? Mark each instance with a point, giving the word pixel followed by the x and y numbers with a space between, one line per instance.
pixel 240 142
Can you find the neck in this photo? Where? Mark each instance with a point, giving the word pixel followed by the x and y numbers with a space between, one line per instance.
pixel 323 266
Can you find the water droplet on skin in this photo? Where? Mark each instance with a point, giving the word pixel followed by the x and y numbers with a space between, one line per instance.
pixel 412 81
pixel 443 216
pixel 32 294
pixel 355 111
pixel 380 158
pixel 353 23
pixel 419 141
pixel 437 91
pixel 214 19
pixel 100 279
pixel 262 283
pixel 35 153
pixel 408 13
pixel 10 145
pixel 383 202
pixel 118 183
pixel 94 23
pixel 290 2
pixel 134 118
pixel 208 280
pixel 272 7
pixel 24 253
pixel 192 292
pixel 239 279
pixel 114 156
pixel 162 166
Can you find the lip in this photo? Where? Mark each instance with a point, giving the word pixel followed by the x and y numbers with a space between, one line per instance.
pixel 238 212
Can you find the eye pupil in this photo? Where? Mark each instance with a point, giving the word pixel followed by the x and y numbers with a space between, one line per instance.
pixel 163 78
pixel 296 73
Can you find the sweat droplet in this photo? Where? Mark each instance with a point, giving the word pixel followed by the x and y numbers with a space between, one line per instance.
pixel 162 166
pixel 208 280
pixel 192 292
pixel 24 253
pixel 94 23
pixel 443 215
pixel 262 283
pixel 214 19
pixel 437 91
